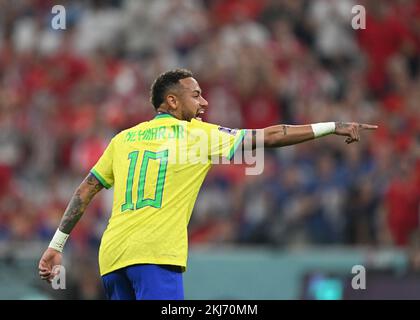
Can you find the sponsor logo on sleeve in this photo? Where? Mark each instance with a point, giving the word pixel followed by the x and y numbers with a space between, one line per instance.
pixel 228 130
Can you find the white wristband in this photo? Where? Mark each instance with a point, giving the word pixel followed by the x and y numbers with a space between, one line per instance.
pixel 323 128
pixel 59 240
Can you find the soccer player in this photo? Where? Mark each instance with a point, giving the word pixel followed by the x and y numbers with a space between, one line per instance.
pixel 143 250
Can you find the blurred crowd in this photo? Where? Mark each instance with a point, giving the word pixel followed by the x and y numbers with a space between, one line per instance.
pixel 65 93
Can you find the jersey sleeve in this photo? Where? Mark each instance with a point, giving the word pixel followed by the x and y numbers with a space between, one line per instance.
pixel 223 142
pixel 102 170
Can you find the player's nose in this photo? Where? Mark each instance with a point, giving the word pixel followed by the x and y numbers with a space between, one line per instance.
pixel 203 102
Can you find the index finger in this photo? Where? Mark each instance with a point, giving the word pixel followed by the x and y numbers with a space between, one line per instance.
pixel 368 126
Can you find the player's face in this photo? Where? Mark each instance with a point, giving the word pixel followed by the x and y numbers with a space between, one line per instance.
pixel 192 104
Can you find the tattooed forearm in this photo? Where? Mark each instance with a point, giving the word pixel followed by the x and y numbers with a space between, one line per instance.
pixel 78 203
pixel 286 135
pixel 73 213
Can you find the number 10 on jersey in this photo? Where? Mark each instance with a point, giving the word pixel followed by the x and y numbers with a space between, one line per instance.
pixel 156 202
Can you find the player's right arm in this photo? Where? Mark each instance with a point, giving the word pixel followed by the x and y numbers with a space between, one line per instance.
pixel 74 211
pixel 99 177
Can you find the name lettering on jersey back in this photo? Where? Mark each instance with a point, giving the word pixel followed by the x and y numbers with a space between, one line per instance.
pixel 158 133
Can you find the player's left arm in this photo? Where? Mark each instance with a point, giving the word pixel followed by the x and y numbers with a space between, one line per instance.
pixel 285 135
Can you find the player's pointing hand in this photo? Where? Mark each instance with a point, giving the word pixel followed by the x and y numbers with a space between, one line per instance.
pixel 352 130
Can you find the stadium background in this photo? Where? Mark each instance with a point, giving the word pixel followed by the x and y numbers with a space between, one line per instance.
pixel 293 232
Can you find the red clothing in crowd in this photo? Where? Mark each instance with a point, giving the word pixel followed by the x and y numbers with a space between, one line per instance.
pixel 382 38
pixel 403 205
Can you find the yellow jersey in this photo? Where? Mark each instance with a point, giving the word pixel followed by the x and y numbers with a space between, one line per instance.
pixel 157 168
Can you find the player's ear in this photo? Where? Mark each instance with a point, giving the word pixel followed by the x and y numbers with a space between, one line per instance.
pixel 172 101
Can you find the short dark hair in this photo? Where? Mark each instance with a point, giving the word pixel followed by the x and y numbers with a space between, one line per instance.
pixel 164 82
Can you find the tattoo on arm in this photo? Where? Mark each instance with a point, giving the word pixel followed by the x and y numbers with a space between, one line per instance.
pixel 78 203
pixel 284 129
pixel 73 213
pixel 94 183
pixel 341 125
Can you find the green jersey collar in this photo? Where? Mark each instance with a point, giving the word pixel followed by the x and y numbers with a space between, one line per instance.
pixel 161 115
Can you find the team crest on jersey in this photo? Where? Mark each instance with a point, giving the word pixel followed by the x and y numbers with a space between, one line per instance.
pixel 228 130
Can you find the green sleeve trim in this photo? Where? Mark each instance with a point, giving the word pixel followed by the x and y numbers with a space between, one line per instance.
pixel 236 145
pixel 101 180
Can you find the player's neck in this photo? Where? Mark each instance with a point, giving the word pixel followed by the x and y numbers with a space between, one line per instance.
pixel 173 114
